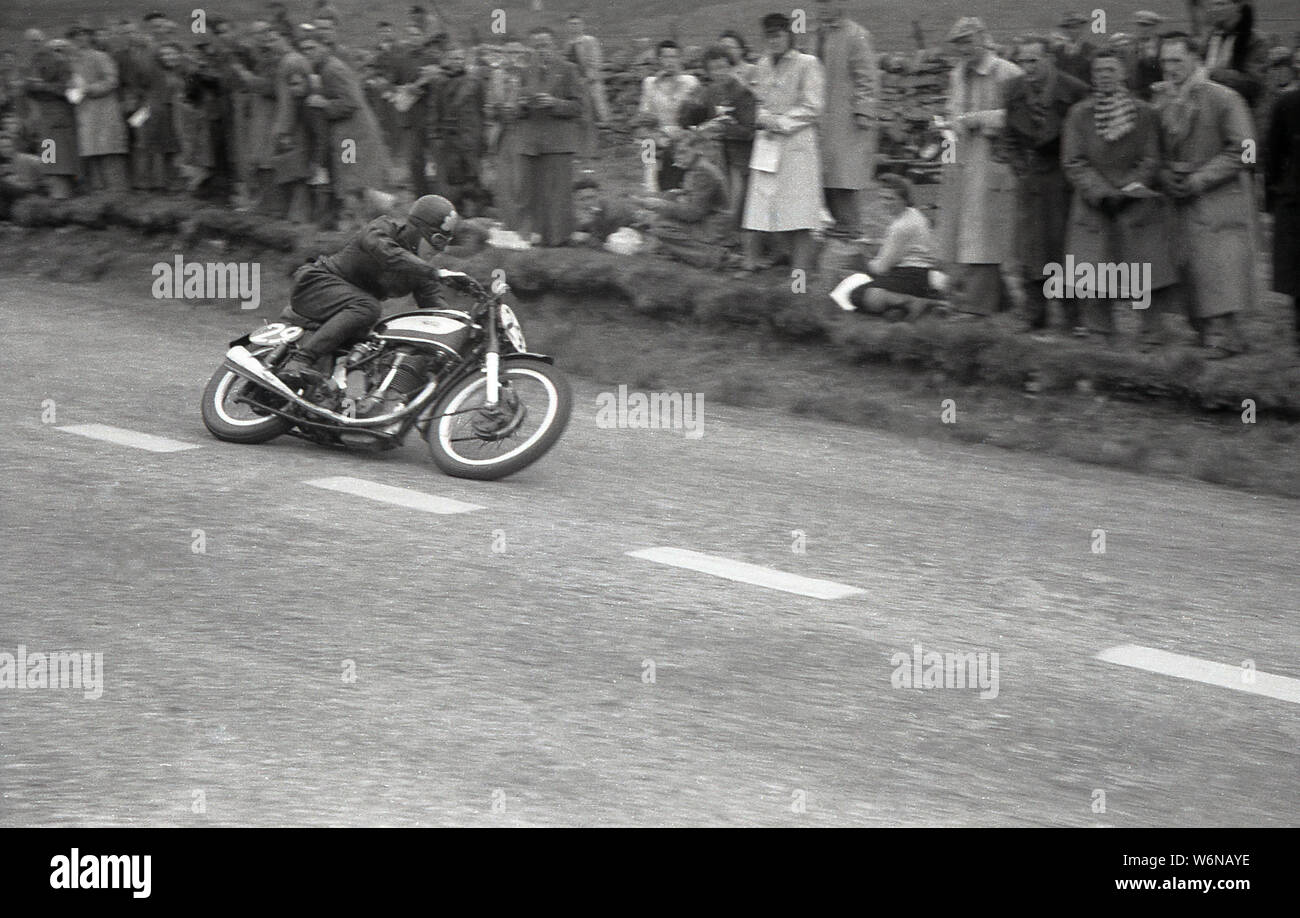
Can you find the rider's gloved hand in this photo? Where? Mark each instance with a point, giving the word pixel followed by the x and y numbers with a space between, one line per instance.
pixel 462 282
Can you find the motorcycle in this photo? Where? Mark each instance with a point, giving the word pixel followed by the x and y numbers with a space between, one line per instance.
pixel 465 380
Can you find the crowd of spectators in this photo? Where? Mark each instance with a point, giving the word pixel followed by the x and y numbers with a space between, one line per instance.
pixel 1153 146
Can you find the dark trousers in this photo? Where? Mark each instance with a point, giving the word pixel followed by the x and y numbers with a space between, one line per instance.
pixel 418 144
pixel 417 161
pixel 220 181
pixel 735 158
pixel 1036 303
pixel 978 288
pixel 458 175
pixel 668 176
pixel 548 188
pixel 1098 315
pixel 698 244
pixel 317 129
pixel 845 207
pixel 347 312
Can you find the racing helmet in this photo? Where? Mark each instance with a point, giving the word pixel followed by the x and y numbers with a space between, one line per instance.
pixel 435 219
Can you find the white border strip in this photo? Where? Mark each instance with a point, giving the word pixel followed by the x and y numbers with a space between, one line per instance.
pixel 1283 688
pixel 123 437
pixel 402 497
pixel 746 573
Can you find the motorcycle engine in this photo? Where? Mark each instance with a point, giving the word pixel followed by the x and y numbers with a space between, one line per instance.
pixel 397 375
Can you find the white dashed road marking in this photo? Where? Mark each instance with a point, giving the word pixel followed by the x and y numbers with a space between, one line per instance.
pixel 746 573
pixel 123 437
pixel 402 497
pixel 1224 675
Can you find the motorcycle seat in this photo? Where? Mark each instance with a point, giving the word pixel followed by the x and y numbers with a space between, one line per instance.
pixel 288 315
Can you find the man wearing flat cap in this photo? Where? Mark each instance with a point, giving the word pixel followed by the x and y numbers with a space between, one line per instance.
pixel 1147 22
pixel 978 205
pixel 159 27
pixel 1146 70
pixel 1281 70
pixel 101 130
pixel 1236 55
pixel 1075 55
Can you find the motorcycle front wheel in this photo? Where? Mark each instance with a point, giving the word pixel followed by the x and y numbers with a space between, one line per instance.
pixel 470 440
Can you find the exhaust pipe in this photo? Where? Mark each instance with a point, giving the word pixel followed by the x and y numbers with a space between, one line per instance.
pixel 241 362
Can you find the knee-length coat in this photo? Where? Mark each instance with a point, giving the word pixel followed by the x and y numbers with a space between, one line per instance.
pixel 55 117
pixel 977 212
pixel 852 88
pixel 792 94
pixel 101 128
pixel 1205 133
pixel 292 155
pixel 255 107
pixel 351 118
pixel 164 95
pixel 1141 230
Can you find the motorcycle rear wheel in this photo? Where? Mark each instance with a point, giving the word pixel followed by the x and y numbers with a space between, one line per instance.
pixel 227 419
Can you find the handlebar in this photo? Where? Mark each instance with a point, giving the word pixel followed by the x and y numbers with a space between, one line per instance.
pixel 485 296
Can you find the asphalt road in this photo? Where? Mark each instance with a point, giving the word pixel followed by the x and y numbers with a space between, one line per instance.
pixel 513 687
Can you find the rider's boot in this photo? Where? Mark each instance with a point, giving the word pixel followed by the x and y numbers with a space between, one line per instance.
pixel 299 372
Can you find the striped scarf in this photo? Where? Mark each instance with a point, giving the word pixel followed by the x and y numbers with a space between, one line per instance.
pixel 1114 114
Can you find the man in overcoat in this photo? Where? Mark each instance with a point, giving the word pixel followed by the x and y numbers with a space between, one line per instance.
pixel 848 134
pixel 976 231
pixel 1205 127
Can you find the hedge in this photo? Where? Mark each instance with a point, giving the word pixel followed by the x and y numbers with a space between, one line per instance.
pixel 967 352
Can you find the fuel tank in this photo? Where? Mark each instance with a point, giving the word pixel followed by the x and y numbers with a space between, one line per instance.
pixel 443 330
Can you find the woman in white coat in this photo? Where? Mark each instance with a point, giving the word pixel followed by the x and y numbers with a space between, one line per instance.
pixel 785 186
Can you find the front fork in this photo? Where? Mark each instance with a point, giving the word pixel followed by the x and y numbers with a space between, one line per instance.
pixel 493 361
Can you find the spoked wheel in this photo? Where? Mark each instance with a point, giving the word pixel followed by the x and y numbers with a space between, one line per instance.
pixel 470 440
pixel 228 417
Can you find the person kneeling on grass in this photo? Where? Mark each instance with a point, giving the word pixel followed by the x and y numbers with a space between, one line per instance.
pixel 20 174
pixel 598 216
pixel 899 278
pixel 690 224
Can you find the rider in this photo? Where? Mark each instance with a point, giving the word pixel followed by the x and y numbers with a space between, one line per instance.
pixel 343 290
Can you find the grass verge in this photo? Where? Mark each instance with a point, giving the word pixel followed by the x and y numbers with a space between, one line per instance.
pixel 656 326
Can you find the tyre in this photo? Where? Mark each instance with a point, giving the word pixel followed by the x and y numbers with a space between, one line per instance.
pixel 230 420
pixel 470 441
